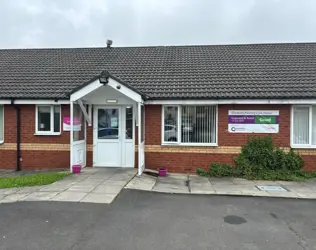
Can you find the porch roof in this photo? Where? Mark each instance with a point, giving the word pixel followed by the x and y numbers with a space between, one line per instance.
pixel 106 79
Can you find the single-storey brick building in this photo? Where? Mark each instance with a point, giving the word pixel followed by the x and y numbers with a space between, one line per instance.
pixel 179 107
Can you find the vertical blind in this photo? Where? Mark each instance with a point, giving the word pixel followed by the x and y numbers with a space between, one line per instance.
pixel 301 125
pixel 304 125
pixel 197 124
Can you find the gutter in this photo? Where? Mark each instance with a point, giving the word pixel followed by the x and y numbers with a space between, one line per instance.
pixel 18 135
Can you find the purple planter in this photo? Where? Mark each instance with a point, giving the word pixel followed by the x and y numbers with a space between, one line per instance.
pixel 162 171
pixel 76 169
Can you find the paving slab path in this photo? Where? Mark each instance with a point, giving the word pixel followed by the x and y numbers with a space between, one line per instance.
pixel 93 185
pixel 193 184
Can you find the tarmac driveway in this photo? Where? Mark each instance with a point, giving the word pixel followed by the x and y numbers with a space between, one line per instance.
pixel 148 220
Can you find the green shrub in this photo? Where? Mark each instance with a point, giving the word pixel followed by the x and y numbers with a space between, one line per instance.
pixel 202 172
pixel 259 155
pixel 221 170
pixel 259 159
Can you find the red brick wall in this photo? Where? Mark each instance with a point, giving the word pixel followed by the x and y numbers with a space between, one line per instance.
pixel 28 127
pixel 184 161
pixel 238 139
pixel 32 159
pixel 187 161
pixel 7 159
pixel 38 159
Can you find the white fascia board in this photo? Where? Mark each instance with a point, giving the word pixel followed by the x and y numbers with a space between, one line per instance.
pixel 2 102
pixel 216 102
pixel 38 102
pixel 125 90
pixel 85 90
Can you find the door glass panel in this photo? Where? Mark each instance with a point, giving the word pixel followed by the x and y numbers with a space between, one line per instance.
pixel 108 123
pixel 129 123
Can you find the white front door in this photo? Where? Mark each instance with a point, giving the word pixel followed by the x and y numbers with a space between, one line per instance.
pixel 114 143
pixel 108 136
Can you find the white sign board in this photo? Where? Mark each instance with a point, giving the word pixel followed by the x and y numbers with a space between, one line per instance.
pixel 253 121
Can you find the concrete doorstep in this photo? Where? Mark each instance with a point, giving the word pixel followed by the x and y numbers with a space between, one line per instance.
pixel 193 184
pixel 93 185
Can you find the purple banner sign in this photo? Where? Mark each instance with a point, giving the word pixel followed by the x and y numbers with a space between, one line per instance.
pixel 249 119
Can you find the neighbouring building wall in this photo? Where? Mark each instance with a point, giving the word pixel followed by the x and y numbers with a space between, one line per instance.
pixel 179 158
pixel 37 151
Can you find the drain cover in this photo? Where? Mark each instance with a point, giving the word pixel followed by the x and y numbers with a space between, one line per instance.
pixel 271 188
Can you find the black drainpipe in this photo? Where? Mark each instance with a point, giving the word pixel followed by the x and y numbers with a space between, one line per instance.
pixel 18 135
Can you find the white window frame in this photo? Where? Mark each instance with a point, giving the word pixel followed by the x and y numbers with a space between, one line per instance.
pixel 2 107
pixel 310 127
pixel 51 132
pixel 179 143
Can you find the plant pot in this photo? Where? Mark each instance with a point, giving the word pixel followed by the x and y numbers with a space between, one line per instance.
pixel 162 171
pixel 76 169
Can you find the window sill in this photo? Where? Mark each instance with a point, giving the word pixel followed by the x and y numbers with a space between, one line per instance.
pixel 38 133
pixel 190 144
pixel 303 146
pixel 1 142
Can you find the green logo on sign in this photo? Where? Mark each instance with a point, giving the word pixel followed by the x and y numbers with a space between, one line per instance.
pixel 265 120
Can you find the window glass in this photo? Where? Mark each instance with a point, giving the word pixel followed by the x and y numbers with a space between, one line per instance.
pixel 43 117
pixel 1 123
pixel 301 125
pixel 129 122
pixel 108 123
pixel 198 124
pixel 170 124
pixel 48 119
pixel 78 123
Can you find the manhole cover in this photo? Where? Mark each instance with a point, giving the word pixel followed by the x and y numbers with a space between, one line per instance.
pixel 271 188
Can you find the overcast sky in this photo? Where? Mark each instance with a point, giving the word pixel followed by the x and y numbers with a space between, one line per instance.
pixel 85 23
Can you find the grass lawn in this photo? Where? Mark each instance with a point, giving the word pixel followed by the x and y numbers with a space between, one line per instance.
pixel 31 180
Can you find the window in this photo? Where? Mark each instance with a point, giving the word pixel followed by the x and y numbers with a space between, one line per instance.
pixel 303 130
pixel 48 119
pixel 1 124
pixel 129 122
pixel 108 123
pixel 78 124
pixel 193 125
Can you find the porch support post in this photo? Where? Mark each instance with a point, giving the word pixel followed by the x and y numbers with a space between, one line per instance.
pixel 139 137
pixel 71 133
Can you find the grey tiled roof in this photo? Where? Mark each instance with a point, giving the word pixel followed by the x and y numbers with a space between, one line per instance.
pixel 171 72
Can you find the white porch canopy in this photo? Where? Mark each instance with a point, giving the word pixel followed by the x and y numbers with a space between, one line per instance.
pixel 93 93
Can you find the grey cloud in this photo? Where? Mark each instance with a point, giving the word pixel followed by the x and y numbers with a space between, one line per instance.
pixel 81 23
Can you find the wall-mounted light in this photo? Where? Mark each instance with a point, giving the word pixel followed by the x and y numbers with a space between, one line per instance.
pixel 104 77
pixel 111 101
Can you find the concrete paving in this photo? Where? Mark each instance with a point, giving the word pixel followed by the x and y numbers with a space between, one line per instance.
pixel 95 185
pixel 192 184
